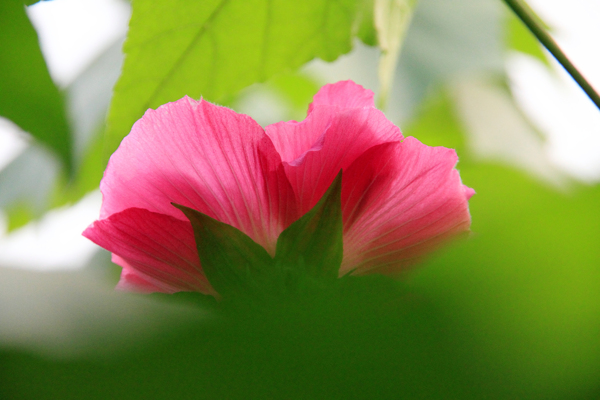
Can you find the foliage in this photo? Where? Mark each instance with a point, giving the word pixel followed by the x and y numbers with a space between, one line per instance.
pixel 28 96
pixel 197 48
pixel 510 313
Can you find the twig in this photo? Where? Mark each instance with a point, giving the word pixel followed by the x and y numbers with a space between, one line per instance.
pixel 524 13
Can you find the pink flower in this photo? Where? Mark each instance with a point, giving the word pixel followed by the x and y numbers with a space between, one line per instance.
pixel 400 198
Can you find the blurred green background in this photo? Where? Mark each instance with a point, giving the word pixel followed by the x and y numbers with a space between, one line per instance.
pixel 513 312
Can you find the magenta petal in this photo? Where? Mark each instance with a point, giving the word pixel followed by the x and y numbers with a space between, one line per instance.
pixel 205 157
pixel 344 94
pixel 135 281
pixel 293 140
pixel 401 201
pixel 329 139
pixel 468 192
pixel 157 252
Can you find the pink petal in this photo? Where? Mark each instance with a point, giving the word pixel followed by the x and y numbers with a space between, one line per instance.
pixel 344 94
pixel 401 201
pixel 205 157
pixel 329 139
pixel 468 192
pixel 135 281
pixel 158 252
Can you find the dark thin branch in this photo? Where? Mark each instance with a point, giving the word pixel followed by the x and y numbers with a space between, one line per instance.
pixel 525 14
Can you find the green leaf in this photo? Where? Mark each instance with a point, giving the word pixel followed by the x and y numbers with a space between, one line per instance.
pixel 366 27
pixel 33 182
pixel 314 242
pixel 233 263
pixel 521 39
pixel 28 96
pixel 18 215
pixel 215 48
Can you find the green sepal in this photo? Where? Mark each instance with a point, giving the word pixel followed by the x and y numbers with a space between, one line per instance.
pixel 308 254
pixel 231 260
pixel 313 245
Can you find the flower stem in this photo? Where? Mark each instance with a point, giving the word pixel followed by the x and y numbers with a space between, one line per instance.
pixel 525 14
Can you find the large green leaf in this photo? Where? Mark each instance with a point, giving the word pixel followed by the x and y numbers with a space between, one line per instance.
pixel 366 26
pixel 28 96
pixel 215 48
